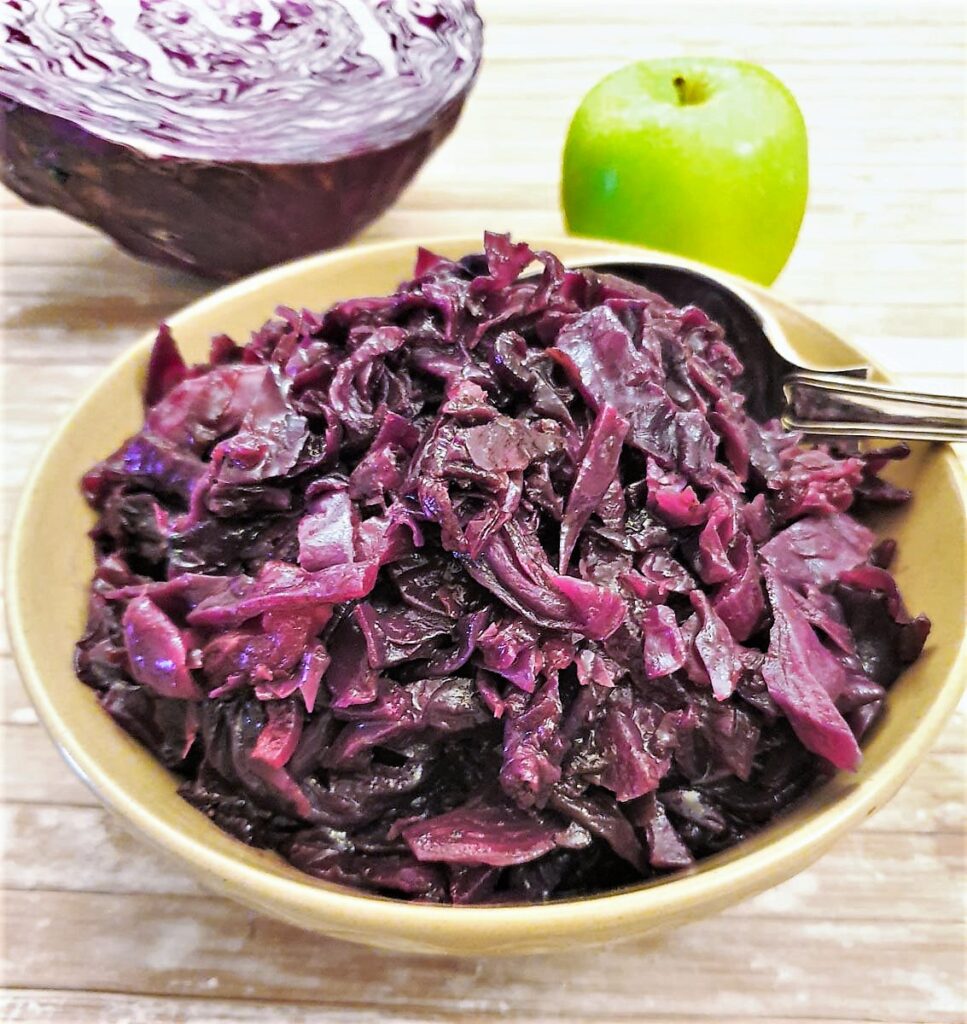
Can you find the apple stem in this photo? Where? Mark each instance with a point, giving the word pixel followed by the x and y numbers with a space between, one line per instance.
pixel 681 87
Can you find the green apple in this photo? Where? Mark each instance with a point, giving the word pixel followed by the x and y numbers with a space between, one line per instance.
pixel 698 156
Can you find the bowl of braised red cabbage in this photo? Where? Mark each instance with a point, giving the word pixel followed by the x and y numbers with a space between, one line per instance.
pixel 475 612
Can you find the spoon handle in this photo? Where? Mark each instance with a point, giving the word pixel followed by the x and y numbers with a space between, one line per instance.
pixel 835 405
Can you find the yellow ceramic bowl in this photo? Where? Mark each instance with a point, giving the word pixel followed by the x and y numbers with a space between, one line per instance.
pixel 51 563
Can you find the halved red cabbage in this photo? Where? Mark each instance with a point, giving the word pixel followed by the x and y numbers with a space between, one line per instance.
pixel 418 593
pixel 223 137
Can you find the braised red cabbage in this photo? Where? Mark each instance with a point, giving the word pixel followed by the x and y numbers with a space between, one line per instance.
pixel 487 590
pixel 221 136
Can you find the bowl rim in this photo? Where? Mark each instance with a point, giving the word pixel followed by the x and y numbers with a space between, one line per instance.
pixel 340 907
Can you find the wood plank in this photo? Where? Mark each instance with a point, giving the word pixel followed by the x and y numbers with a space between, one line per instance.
pixel 87 851
pixel 44 1006
pixel 183 942
pixel 33 771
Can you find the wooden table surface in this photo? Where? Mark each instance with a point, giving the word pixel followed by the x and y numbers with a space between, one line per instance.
pixel 95 927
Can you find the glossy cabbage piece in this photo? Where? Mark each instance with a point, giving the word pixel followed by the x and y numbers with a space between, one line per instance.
pixel 223 138
pixel 490 589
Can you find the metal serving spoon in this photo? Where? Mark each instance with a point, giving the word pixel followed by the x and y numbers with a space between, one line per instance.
pixel 815 401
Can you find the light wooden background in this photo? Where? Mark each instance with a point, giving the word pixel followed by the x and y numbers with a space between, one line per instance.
pixel 98 928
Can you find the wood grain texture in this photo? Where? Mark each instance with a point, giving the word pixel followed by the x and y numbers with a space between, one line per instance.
pixel 95 927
